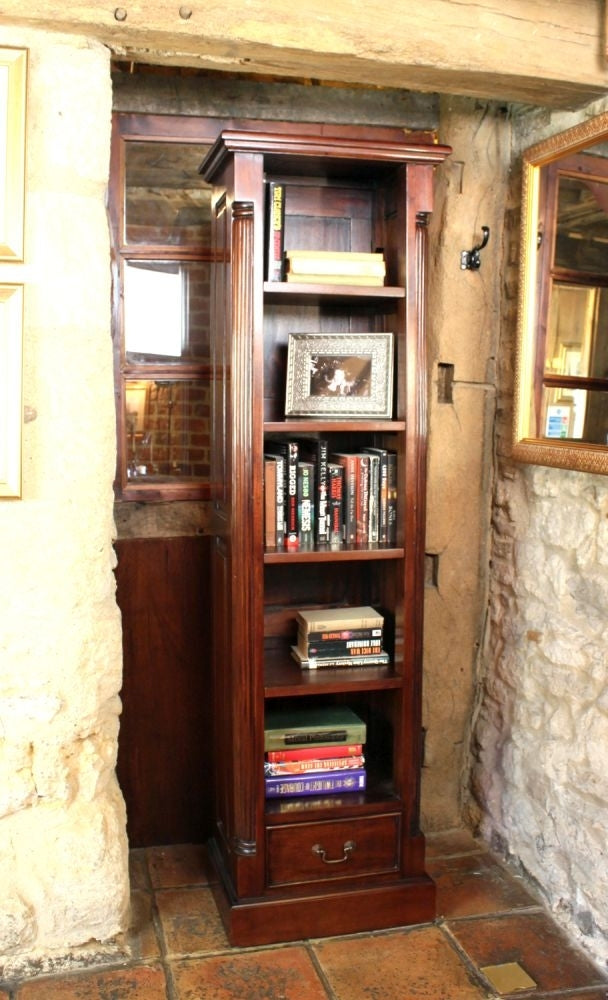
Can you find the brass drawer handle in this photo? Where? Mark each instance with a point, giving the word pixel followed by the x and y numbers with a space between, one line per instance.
pixel 348 848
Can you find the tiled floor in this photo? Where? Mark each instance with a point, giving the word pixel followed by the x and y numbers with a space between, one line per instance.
pixel 491 939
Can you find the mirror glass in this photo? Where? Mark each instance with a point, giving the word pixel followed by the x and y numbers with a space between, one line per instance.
pixel 561 400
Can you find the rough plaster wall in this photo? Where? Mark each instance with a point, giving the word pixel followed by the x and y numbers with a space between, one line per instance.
pixel 464 317
pixel 63 878
pixel 541 739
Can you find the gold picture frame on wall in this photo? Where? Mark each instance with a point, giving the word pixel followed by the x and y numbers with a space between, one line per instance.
pixel 13 81
pixel 11 406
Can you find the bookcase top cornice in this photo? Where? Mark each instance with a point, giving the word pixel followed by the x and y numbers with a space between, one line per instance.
pixel 280 149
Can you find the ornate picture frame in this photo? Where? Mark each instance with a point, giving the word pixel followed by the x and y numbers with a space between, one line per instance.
pixel 340 376
pixel 13 80
pixel 11 408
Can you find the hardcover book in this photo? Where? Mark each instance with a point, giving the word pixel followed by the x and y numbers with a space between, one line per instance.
pixel 335 482
pixel 330 619
pixel 315 784
pixel 382 492
pixel 279 498
pixel 305 727
pixel 270 503
pixel 315 753
pixel 336 635
pixel 313 765
pixel 275 230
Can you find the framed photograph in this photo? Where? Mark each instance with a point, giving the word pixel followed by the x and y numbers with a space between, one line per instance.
pixel 13 72
pixel 341 375
pixel 11 406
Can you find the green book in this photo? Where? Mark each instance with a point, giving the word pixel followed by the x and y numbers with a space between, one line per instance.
pixel 305 727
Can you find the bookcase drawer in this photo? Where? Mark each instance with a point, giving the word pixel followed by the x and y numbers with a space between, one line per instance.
pixel 312 852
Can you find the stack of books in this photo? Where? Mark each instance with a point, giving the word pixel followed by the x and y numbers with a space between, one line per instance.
pixel 315 498
pixel 334 267
pixel 313 751
pixel 340 637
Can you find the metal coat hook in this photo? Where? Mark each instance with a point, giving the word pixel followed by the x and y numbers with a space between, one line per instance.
pixel 471 259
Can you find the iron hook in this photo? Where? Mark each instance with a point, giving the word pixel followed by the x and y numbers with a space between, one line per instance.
pixel 471 259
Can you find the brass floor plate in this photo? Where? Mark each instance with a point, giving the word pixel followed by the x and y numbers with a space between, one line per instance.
pixel 508 978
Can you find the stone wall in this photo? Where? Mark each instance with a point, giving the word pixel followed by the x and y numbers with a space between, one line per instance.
pixel 540 766
pixel 63 878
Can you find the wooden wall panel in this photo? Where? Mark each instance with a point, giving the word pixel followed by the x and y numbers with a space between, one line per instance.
pixel 164 752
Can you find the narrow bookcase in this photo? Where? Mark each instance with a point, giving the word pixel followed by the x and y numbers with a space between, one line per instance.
pixel 300 867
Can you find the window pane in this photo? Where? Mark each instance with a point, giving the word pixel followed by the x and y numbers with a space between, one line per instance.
pixel 575 415
pixel 577 331
pixel 167 202
pixel 582 224
pixel 167 430
pixel 166 311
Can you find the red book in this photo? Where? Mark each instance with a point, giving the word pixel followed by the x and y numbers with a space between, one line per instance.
pixel 315 753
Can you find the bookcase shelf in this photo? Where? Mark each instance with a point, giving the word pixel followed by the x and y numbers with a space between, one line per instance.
pixel 312 865
pixel 282 290
pixel 351 553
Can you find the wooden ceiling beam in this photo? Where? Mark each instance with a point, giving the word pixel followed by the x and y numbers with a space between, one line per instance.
pixel 530 51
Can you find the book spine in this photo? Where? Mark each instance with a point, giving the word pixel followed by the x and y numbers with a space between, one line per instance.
pixel 316 784
pixel 275 232
pixel 362 535
pixel 277 739
pixel 270 505
pixel 322 523
pixel 314 765
pixel 374 499
pixel 333 635
pixel 315 753
pixel 305 494
pixel 375 281
pixel 335 480
pixel 349 508
pixel 329 624
pixel 291 497
pixel 391 513
pixel 349 647
pixel 280 500
pixel 321 662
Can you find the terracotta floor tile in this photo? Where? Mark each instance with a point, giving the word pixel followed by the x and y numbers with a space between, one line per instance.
pixel 450 842
pixel 408 965
pixel 179 865
pixel 275 974
pixel 140 983
pixel 190 921
pixel 535 942
pixel 593 995
pixel 476 884
pixel 141 939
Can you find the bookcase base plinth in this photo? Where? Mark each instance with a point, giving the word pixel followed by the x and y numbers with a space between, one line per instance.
pixel 253 922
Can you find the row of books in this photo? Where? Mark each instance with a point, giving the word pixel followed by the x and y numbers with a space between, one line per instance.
pixel 340 637
pixel 313 497
pixel 313 751
pixel 313 266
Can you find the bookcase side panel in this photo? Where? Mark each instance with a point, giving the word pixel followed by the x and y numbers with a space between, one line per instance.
pixel 236 598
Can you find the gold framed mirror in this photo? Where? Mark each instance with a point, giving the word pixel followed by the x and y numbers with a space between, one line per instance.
pixel 561 380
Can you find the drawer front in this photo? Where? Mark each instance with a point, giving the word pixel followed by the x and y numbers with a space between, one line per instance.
pixel 312 852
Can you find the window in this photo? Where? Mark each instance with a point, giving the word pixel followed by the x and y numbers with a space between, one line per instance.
pixel 160 219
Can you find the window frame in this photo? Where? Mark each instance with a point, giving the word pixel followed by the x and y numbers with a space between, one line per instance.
pixel 128 127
